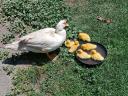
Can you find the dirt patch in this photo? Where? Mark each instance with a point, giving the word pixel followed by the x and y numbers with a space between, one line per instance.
pixel 5 82
pixel 3 29
pixel 70 2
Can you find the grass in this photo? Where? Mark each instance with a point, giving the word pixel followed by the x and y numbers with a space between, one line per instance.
pixel 66 77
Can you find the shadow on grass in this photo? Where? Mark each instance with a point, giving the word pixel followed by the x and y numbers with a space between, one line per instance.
pixel 29 58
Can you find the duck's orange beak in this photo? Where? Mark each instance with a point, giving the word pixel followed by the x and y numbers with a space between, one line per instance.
pixel 66 24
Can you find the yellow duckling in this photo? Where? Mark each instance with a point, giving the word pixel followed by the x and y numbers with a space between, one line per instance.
pixel 96 55
pixel 69 43
pixel 74 47
pixel 88 46
pixel 83 55
pixel 84 37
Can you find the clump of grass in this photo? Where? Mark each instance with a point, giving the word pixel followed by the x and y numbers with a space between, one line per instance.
pixel 7 38
pixel 36 13
pixel 29 78
pixel 3 55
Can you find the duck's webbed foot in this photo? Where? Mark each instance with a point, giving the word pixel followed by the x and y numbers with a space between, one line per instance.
pixel 52 56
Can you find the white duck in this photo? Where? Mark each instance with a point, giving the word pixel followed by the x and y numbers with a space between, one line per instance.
pixel 41 41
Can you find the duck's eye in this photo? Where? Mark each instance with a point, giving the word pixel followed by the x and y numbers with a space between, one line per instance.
pixel 65 23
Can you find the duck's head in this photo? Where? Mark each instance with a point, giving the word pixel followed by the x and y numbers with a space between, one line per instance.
pixel 62 24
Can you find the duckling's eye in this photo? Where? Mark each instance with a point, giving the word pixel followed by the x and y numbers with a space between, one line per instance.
pixel 79 51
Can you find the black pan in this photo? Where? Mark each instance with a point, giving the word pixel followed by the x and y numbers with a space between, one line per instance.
pixel 100 48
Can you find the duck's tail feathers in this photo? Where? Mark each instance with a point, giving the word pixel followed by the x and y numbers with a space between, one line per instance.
pixel 12 46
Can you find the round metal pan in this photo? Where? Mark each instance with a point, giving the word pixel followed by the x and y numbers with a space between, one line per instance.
pixel 100 48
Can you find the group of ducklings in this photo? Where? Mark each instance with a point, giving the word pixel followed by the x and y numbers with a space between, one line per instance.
pixel 82 52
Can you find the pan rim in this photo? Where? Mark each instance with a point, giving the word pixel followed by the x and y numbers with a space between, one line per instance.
pixel 100 62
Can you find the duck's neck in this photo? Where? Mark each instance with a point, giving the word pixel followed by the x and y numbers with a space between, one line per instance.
pixel 60 31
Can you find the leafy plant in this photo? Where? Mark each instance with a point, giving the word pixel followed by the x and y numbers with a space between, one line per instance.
pixel 29 78
pixel 7 38
pixel 3 54
pixel 36 13
pixel 29 15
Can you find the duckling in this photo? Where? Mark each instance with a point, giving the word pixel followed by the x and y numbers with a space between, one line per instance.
pixel 74 47
pixel 69 43
pixel 84 37
pixel 83 55
pixel 96 55
pixel 88 46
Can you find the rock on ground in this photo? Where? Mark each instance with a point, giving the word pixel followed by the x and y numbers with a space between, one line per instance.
pixel 5 82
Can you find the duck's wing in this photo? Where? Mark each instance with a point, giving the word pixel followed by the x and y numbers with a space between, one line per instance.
pixel 39 39
pixel 40 33
pixel 36 44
